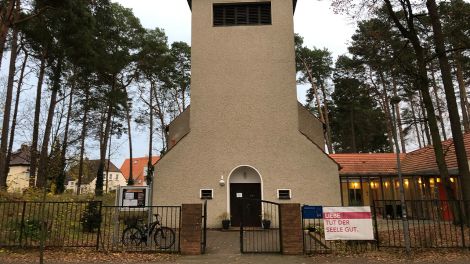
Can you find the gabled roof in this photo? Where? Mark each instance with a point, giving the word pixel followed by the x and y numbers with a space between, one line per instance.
pixel 190 3
pixel 421 162
pixel 21 157
pixel 367 163
pixel 90 170
pixel 139 166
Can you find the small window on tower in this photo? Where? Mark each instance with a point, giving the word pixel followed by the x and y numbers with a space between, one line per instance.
pixel 241 14
pixel 284 194
pixel 206 194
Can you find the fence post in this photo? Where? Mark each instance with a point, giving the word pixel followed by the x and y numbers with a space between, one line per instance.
pixel 376 227
pixel 291 229
pixel 22 223
pixel 100 204
pixel 462 222
pixel 191 229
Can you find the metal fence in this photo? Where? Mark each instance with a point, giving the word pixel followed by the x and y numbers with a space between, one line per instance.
pixel 65 223
pixel 90 224
pixel 432 224
pixel 315 242
pixel 155 228
pixel 259 226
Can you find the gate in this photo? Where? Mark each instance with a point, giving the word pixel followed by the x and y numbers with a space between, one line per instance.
pixel 259 226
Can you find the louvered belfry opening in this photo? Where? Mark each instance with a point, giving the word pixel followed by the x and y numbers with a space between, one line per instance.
pixel 241 14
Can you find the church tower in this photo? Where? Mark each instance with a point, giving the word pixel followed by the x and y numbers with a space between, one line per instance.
pixel 245 134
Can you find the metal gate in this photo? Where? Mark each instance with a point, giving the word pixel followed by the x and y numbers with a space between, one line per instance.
pixel 259 226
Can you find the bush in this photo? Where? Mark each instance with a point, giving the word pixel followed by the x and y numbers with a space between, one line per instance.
pixel 31 229
pixel 91 218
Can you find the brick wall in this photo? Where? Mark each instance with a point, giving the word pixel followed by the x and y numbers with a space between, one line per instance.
pixel 191 229
pixel 291 229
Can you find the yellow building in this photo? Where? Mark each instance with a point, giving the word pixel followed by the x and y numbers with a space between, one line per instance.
pixel 18 175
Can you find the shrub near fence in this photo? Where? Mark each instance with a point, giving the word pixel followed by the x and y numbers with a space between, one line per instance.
pixel 84 224
pixel 21 224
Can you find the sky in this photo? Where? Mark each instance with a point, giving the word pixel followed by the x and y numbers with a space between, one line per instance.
pixel 314 20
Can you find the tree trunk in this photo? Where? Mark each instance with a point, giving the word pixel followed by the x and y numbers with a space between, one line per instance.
pixel 15 113
pixel 399 121
pixel 387 111
pixel 7 110
pixel 149 162
pixel 423 86
pixel 329 143
pixel 454 117
pixel 104 143
pixel 130 181
pixel 7 20
pixel 82 138
pixel 438 102
pixel 161 117
pixel 44 157
pixel 425 122
pixel 60 181
pixel 109 159
pixel 415 121
pixel 463 92
pixel 37 113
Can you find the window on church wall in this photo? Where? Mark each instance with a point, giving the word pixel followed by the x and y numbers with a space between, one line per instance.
pixel 242 14
pixel 206 194
pixel 284 194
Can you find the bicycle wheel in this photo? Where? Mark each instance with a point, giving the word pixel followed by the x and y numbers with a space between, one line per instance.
pixel 164 237
pixel 132 236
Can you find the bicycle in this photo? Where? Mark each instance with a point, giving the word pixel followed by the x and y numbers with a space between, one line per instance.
pixel 136 234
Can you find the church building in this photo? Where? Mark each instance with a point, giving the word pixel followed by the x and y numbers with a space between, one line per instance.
pixel 245 134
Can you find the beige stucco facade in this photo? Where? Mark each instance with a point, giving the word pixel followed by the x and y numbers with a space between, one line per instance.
pixel 18 178
pixel 244 112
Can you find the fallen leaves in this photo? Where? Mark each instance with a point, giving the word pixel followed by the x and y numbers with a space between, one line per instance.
pixel 82 256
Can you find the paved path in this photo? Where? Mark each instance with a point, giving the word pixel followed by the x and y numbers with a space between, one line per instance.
pixel 224 247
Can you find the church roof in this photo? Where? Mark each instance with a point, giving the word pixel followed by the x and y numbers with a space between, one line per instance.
pixel 190 3
pixel 421 162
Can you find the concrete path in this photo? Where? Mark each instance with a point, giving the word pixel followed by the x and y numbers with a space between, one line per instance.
pixel 224 247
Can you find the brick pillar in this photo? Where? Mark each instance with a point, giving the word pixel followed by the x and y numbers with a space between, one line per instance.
pixel 191 216
pixel 291 229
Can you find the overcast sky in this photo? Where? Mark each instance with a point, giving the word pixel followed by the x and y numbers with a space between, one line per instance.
pixel 314 20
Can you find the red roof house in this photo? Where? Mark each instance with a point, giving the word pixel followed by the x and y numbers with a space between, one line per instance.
pixel 139 169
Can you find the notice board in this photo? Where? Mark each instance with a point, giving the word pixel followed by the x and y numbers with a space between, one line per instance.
pixel 348 223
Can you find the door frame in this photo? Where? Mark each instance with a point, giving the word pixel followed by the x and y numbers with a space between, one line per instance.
pixel 228 184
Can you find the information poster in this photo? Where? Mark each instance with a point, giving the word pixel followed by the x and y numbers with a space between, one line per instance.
pixel 348 223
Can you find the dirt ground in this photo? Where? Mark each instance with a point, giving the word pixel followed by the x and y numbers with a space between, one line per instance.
pixel 74 256
pixel 223 248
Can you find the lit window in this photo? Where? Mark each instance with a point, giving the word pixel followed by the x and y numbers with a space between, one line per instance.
pixel 206 194
pixel 284 194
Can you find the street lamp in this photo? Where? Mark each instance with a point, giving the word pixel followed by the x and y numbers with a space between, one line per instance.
pixel 395 100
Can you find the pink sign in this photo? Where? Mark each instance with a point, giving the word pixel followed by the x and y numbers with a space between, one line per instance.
pixel 348 223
